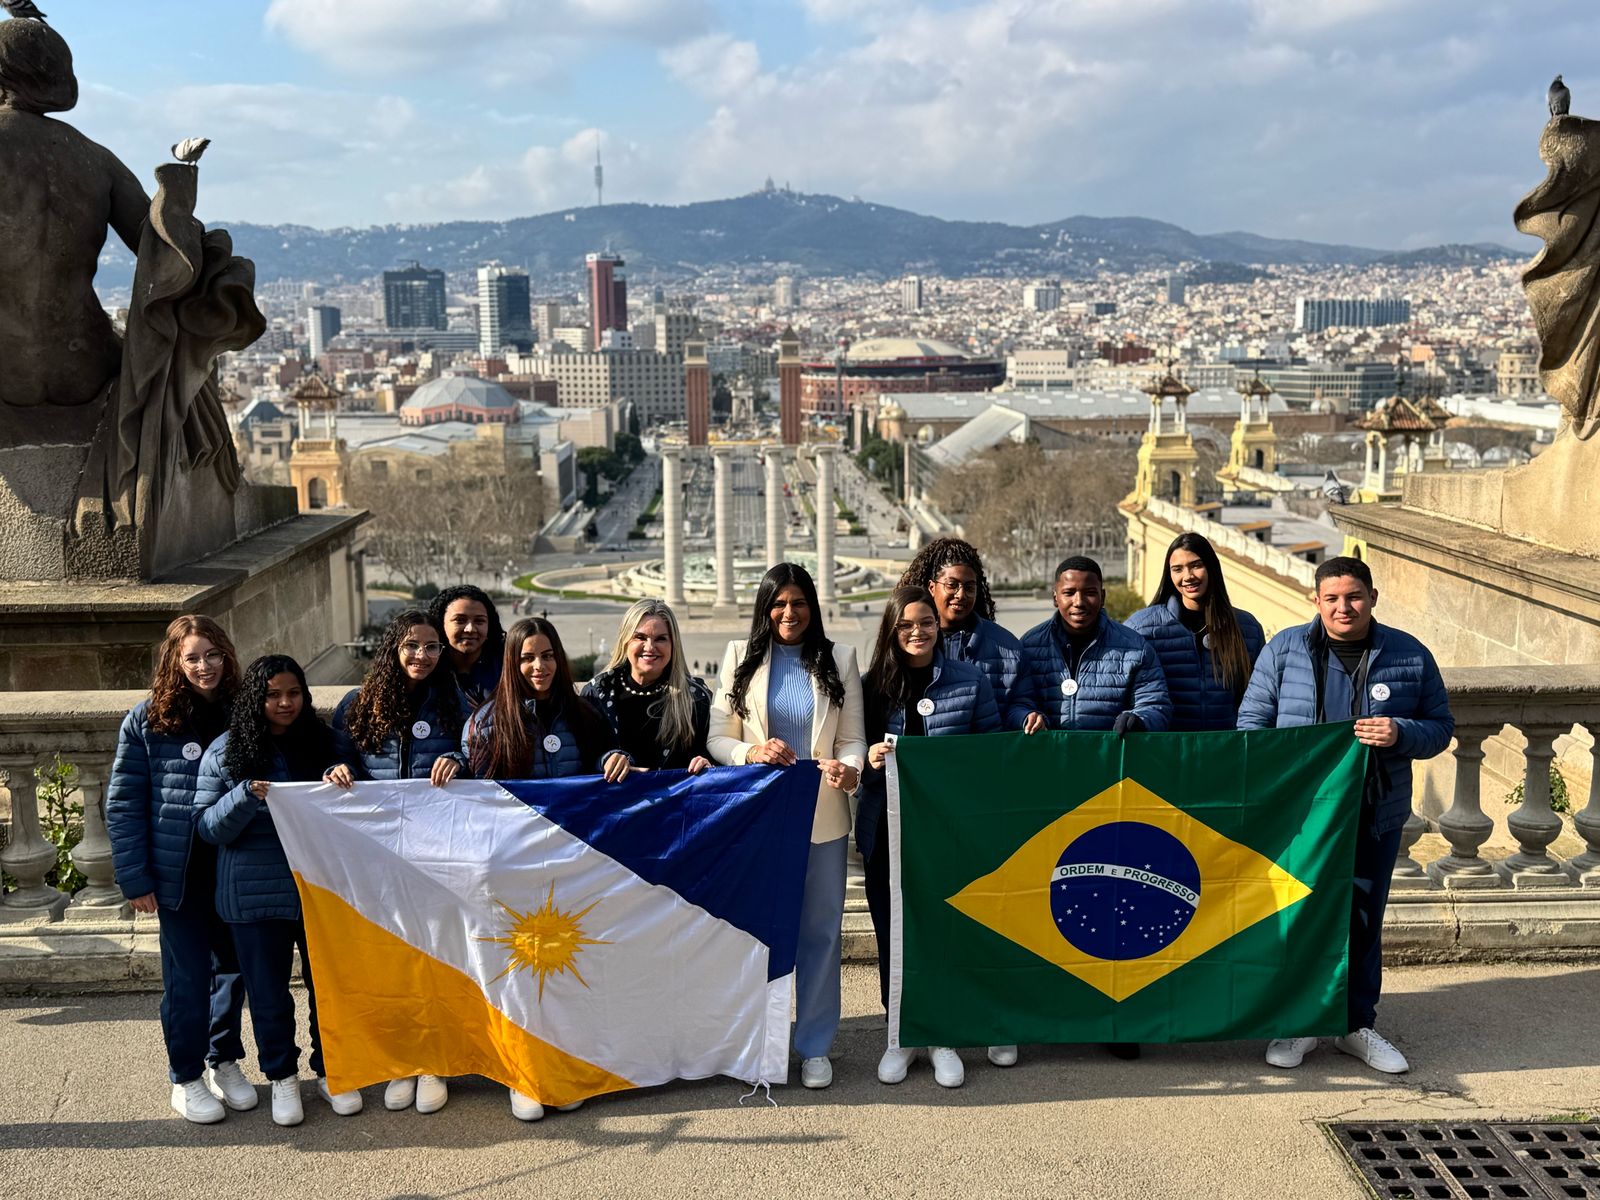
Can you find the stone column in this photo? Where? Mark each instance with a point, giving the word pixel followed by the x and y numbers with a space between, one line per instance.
pixel 672 525
pixel 92 855
pixel 722 465
pixel 777 511
pixel 826 515
pixel 27 858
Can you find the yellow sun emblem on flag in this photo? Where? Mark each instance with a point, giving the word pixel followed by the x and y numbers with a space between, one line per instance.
pixel 546 941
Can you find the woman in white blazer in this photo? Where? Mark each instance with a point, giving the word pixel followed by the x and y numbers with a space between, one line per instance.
pixel 787 694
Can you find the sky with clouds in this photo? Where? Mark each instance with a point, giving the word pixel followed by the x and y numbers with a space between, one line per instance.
pixel 1391 123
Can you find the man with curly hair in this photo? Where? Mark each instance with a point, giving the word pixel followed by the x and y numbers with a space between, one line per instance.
pixel 952 573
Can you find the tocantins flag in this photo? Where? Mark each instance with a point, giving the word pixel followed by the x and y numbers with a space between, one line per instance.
pixel 1080 887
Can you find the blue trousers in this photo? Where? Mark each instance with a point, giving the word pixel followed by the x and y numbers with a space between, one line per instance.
pixel 816 968
pixel 1374 870
pixel 266 958
pixel 202 994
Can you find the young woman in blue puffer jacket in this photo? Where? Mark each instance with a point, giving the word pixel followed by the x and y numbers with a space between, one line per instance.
pixel 537 727
pixel 404 722
pixel 912 689
pixel 274 736
pixel 163 868
pixel 1206 646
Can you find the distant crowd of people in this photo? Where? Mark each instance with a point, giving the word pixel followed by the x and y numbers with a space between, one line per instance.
pixel 451 694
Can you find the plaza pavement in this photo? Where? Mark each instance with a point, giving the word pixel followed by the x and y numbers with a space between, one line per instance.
pixel 83 1113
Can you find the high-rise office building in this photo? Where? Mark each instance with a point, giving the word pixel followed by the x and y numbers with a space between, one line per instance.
pixel 323 323
pixel 1176 287
pixel 1042 297
pixel 608 295
pixel 413 298
pixel 1313 316
pixel 786 293
pixel 505 317
pixel 673 328
pixel 911 293
pixel 547 315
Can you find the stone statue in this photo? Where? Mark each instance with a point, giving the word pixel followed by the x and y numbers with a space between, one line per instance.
pixel 1563 282
pixel 142 412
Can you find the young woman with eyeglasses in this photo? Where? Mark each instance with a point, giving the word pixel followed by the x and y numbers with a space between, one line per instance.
pixel 912 690
pixel 404 722
pixel 950 570
pixel 164 869
pixel 786 694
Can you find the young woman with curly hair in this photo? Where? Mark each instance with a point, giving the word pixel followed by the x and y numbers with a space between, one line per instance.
pixel 164 869
pixel 537 727
pixel 950 570
pixel 274 736
pixel 660 712
pixel 404 722
pixel 785 694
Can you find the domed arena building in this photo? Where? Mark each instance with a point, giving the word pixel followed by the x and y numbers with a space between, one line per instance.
pixel 465 398
pixel 880 366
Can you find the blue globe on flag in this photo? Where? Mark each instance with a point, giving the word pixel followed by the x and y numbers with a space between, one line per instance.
pixel 1124 890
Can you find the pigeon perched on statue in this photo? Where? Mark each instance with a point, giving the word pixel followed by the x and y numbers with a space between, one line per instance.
pixel 1560 98
pixel 190 149
pixel 22 10
pixel 1338 492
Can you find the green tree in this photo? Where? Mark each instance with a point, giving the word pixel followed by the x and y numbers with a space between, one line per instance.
pixel 721 395
pixel 592 461
pixel 629 448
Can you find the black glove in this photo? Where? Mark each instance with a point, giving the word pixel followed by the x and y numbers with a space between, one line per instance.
pixel 1127 722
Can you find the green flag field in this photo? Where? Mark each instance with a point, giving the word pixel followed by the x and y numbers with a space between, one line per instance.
pixel 1081 887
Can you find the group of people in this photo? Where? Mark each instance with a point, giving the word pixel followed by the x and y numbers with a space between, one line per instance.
pixel 451 694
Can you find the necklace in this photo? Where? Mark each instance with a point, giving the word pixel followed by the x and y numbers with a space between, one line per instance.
pixel 636 689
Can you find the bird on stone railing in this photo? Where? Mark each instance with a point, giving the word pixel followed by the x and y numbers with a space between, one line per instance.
pixel 1338 492
pixel 22 10
pixel 1560 98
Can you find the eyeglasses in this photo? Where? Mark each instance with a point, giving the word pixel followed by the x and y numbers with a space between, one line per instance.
pixel 426 649
pixel 211 658
pixel 958 586
pixel 926 625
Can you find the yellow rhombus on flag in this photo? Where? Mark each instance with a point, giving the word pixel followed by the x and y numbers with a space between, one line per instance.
pixel 1237 888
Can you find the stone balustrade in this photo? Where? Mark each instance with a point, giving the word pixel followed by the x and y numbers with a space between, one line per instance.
pixel 1525 902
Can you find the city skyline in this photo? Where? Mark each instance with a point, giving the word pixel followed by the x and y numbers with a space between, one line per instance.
pixel 1384 125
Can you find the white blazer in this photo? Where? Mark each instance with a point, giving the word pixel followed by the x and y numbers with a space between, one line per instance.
pixel 839 733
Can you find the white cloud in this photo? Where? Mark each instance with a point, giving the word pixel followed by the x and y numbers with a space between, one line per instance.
pixel 716 65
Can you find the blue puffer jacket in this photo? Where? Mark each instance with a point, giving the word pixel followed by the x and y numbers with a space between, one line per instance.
pixel 561 763
pixel 963 702
pixel 1199 699
pixel 150 808
pixel 1286 689
pixel 253 878
pixel 993 649
pixel 405 753
pixel 1118 673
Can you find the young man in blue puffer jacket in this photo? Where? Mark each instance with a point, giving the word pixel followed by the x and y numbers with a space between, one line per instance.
pixel 1083 670
pixel 1343 665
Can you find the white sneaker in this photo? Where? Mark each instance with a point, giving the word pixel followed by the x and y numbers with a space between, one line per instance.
pixel 525 1108
pixel 346 1104
pixel 193 1101
pixel 816 1072
pixel 894 1064
pixel 286 1108
pixel 1372 1048
pixel 573 1107
pixel 228 1084
pixel 1289 1052
pixel 431 1093
pixel 398 1094
pixel 1003 1056
pixel 947 1068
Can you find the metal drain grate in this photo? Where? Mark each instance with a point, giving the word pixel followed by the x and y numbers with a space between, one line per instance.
pixel 1479 1160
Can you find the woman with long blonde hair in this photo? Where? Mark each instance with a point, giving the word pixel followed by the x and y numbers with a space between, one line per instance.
pixel 660 712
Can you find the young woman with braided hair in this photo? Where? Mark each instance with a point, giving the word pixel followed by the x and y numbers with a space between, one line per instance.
pixel 952 573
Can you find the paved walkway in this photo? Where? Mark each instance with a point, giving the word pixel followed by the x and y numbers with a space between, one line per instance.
pixel 83 1113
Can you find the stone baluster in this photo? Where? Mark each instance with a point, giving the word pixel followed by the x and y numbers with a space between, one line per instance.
pixel 92 855
pixel 1464 824
pixel 1586 867
pixel 1408 873
pixel 1534 824
pixel 27 857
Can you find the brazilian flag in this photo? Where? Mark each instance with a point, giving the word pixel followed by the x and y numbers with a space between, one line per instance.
pixel 1081 887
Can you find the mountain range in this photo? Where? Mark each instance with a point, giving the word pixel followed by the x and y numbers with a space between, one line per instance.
pixel 779 231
